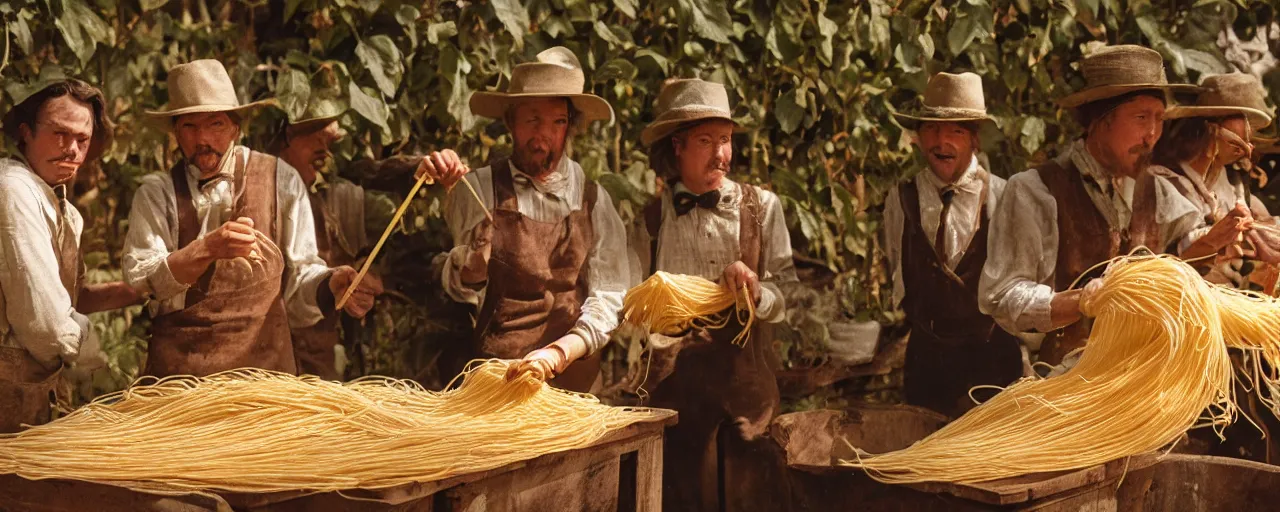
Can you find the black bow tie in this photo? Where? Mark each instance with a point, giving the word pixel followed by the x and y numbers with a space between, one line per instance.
pixel 686 201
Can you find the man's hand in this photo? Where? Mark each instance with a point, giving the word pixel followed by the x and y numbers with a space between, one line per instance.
pixel 361 300
pixel 737 275
pixel 476 269
pixel 233 239
pixel 1227 231
pixel 443 167
pixel 544 364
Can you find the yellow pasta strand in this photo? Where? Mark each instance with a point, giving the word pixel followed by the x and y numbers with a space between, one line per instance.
pixel 258 431
pixel 1156 363
pixel 674 303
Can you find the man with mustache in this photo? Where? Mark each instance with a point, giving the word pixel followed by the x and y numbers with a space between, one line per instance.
pixel 224 243
pixel 549 272
pixel 56 126
pixel 338 210
pixel 1096 201
pixel 936 229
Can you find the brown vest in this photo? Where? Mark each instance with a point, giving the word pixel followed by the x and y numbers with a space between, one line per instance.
pixel 953 346
pixel 1085 239
pixel 537 281
pixel 234 315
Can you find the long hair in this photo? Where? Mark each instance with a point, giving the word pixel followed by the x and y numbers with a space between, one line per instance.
pixel 28 113
pixel 1186 139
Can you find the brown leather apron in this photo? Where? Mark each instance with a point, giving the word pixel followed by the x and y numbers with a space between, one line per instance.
pixel 953 346
pixel 1085 239
pixel 537 283
pixel 234 315
pixel 314 346
pixel 719 456
pixel 26 390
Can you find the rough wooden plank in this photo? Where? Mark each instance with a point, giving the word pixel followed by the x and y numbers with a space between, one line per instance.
pixel 649 476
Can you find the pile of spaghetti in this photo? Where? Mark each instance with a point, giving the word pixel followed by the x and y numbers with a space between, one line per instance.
pixel 258 431
pixel 1155 366
pixel 674 303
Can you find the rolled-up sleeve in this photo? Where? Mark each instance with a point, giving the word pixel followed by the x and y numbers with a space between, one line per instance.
pixel 37 308
pixel 608 274
pixel 463 214
pixel 150 240
pixel 297 241
pixel 1015 288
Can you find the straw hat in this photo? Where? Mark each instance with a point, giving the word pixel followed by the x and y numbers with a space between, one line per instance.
pixel 1117 70
pixel 684 101
pixel 950 98
pixel 556 74
pixel 201 86
pixel 1229 95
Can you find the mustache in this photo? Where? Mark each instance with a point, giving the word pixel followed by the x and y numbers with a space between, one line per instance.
pixel 206 150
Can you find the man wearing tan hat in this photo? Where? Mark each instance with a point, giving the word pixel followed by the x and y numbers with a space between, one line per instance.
pixel 1203 140
pixel 547 273
pixel 719 456
pixel 936 244
pixel 224 240
pixel 1096 201
pixel 341 227
pixel 57 126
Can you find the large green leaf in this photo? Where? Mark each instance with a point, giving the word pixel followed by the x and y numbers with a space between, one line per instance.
pixel 708 18
pixel 293 91
pixel 514 17
pixel 82 29
pixel 437 32
pixel 380 56
pixel 628 7
pixel 790 111
pixel 369 107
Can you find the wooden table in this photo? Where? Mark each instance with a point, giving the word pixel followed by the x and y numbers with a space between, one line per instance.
pixel 622 471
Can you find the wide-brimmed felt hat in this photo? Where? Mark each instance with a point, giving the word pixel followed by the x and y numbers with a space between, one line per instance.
pixel 202 86
pixel 1227 95
pixel 1121 69
pixel 555 74
pixel 321 108
pixel 684 101
pixel 949 98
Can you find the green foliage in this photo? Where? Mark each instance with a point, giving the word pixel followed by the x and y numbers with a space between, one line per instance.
pixel 814 83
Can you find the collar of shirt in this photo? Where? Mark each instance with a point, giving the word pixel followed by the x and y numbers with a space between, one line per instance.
pixel 225 173
pixel 555 183
pixel 729 192
pixel 20 162
pixel 968 181
pixel 1104 179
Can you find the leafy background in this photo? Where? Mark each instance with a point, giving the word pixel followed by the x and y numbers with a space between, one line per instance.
pixel 815 83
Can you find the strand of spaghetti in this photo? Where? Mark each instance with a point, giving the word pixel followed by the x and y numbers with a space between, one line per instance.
pixel 395 219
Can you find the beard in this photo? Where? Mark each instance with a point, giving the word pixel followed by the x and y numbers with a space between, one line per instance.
pixel 536 159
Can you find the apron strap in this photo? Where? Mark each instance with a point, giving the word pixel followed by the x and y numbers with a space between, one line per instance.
pixel 504 188
pixel 751 220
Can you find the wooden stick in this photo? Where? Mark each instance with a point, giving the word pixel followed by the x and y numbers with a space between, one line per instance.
pixel 385 233
pixel 425 178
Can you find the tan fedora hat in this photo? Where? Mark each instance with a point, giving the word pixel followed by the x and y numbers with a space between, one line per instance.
pixel 1117 70
pixel 202 86
pixel 684 101
pixel 950 98
pixel 555 74
pixel 1229 95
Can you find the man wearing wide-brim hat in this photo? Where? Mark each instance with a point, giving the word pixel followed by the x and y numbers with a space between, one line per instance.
pixel 341 226
pixel 1097 200
pixel 546 272
pixel 56 126
pixel 936 228
pixel 224 242
pixel 1200 153
pixel 705 224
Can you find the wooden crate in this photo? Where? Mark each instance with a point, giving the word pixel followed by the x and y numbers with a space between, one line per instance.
pixel 622 471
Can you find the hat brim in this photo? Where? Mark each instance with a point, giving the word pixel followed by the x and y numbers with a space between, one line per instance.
pixel 1111 91
pixel 1257 118
pixel 205 109
pixel 494 104
pixel 911 122
pixel 659 129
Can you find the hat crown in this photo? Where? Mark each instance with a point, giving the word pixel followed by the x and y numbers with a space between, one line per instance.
pixel 1232 90
pixel 947 92
pixel 693 94
pixel 201 83
pixel 556 71
pixel 1124 64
